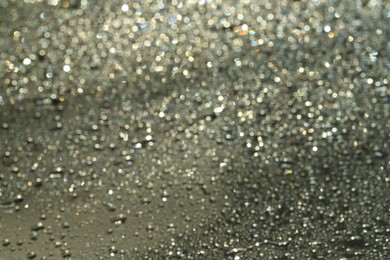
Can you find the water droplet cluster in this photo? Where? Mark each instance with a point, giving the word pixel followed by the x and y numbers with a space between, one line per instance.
pixel 202 129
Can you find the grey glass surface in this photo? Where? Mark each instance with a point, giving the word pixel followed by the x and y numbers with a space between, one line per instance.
pixel 202 129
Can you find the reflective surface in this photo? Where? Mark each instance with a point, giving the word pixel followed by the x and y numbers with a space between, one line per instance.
pixel 194 129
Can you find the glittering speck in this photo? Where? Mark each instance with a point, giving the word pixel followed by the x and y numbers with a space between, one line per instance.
pixel 125 8
pixel 66 68
pixel 26 61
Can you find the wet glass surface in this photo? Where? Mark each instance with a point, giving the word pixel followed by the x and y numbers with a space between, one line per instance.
pixel 194 129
